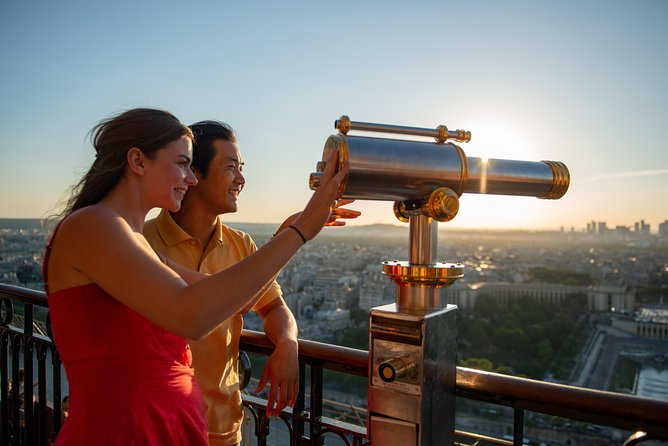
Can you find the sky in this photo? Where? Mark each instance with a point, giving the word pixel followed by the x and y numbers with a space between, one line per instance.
pixel 581 82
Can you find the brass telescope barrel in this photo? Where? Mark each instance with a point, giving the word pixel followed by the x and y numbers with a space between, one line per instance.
pixel 398 170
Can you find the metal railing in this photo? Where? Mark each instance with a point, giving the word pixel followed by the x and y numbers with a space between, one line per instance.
pixel 317 357
pixel 29 356
pixel 23 348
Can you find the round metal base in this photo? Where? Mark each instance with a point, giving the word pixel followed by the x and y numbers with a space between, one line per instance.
pixel 418 286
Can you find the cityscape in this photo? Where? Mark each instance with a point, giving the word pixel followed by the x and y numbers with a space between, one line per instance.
pixel 613 280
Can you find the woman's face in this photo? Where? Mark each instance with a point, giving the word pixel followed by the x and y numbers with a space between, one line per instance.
pixel 169 174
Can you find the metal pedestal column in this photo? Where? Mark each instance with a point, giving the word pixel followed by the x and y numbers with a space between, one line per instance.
pixel 412 349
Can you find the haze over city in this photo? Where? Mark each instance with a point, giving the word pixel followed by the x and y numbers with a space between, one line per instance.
pixel 584 83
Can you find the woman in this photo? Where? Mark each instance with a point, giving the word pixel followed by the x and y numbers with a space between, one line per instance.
pixel 120 315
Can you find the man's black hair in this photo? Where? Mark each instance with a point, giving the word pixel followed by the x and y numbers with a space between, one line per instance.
pixel 206 132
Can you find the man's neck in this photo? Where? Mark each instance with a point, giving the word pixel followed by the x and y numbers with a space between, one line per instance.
pixel 197 222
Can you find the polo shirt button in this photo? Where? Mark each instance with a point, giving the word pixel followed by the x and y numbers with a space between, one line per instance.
pixel 192 242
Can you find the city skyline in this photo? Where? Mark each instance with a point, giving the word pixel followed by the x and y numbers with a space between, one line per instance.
pixel 581 83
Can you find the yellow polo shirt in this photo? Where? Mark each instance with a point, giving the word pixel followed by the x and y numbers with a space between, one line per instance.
pixel 215 356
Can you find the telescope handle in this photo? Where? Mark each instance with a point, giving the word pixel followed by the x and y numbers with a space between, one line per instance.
pixel 440 133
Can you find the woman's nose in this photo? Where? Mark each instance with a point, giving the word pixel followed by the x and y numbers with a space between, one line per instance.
pixel 191 179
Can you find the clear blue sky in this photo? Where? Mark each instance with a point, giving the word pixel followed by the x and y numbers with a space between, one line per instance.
pixel 583 82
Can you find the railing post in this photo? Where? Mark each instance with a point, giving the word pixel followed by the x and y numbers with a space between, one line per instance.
pixel 42 395
pixel 4 388
pixel 15 415
pixel 57 391
pixel 316 405
pixel 518 427
pixel 28 375
pixel 298 409
pixel 262 428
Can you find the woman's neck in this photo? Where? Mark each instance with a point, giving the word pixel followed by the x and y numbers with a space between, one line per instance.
pixel 127 201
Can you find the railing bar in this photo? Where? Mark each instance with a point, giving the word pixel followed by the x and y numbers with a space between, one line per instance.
pixel 315 403
pixel 300 406
pixel 518 427
pixel 484 438
pixel 15 381
pixel 265 431
pixel 262 427
pixel 25 295
pixel 30 420
pixel 4 386
pixel 41 391
pixel 57 391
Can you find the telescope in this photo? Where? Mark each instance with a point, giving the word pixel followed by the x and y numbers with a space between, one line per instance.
pixel 411 171
pixel 412 342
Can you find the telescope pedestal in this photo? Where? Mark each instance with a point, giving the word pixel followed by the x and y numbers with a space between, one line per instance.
pixel 411 393
pixel 413 349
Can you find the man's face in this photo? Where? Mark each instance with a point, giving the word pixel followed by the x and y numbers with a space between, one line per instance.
pixel 224 179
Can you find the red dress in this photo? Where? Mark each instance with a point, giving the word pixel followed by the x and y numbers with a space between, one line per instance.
pixel 130 381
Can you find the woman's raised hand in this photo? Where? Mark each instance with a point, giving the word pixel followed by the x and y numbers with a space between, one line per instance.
pixel 320 208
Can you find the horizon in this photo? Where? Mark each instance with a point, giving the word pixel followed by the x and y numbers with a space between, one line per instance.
pixel 400 225
pixel 580 83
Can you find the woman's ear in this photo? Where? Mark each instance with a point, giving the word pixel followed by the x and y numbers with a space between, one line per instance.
pixel 136 161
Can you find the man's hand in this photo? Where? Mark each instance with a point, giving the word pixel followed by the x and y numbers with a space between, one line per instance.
pixel 336 213
pixel 282 370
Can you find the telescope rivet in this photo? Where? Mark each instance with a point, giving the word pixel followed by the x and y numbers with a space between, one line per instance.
pixel 343 124
pixel 442 134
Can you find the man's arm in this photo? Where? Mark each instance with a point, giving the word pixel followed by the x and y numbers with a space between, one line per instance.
pixel 282 368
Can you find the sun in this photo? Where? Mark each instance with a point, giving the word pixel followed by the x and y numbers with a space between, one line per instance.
pixel 501 140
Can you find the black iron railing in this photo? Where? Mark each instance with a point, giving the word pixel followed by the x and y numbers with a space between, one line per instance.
pixel 25 344
pixel 30 412
pixel 317 357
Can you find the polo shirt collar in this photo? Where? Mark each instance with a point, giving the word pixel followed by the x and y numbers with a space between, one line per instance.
pixel 173 234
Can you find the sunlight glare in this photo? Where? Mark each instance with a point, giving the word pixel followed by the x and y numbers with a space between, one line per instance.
pixel 499 139
pixel 483 175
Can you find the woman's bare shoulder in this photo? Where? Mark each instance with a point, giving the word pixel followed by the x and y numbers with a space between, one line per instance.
pixel 91 224
pixel 91 218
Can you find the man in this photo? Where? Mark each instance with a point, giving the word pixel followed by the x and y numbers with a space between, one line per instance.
pixel 195 237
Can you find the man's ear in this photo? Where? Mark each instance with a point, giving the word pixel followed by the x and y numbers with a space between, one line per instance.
pixel 136 161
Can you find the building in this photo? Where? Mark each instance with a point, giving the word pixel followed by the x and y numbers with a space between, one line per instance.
pixel 600 298
pixel 648 322
pixel 663 230
pixel 614 298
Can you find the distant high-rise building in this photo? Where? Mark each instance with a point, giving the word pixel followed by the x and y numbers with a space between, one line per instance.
pixel 602 227
pixel 663 229
pixel 641 228
pixel 591 227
